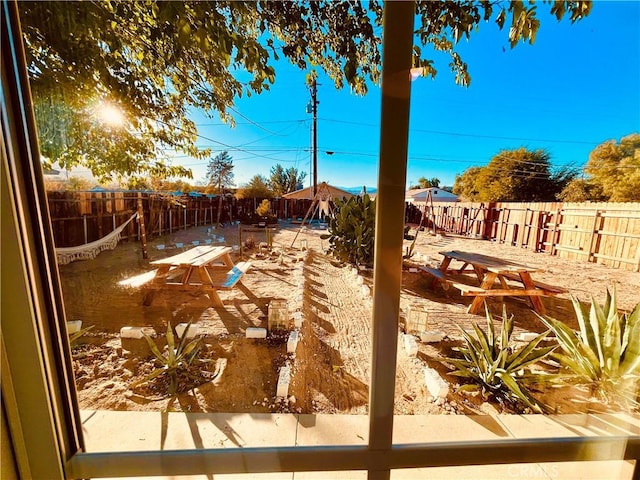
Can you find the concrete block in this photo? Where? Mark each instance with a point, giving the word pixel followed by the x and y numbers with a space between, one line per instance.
pixel 74 326
pixel 417 318
pixel 292 342
pixel 279 315
pixel 193 330
pixel 297 319
pixel 256 332
pixel 410 345
pixel 413 270
pixel 430 336
pixel 527 336
pixel 136 332
pixel 437 387
pixel 284 378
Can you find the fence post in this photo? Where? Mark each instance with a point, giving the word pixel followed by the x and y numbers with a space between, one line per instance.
pixel 143 233
pixel 84 223
pixel 593 239
pixel 556 224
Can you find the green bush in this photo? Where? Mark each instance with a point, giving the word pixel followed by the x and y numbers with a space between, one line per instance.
pixel 352 230
pixel 604 356
pixel 495 365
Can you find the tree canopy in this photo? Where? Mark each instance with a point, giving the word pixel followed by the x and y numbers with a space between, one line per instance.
pixel 286 181
pixel 156 61
pixel 257 187
pixel 220 171
pixel 514 176
pixel 612 173
pixel 424 182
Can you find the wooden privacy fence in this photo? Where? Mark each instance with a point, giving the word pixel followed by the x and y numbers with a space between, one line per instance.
pixel 82 217
pixel 606 233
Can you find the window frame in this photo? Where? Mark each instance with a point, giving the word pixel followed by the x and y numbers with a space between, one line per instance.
pixel 37 386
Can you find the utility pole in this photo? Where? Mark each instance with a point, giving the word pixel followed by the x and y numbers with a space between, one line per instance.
pixel 314 148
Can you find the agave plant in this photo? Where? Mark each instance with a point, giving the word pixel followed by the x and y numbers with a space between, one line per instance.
pixel 74 338
pixel 177 360
pixel 496 365
pixel 604 355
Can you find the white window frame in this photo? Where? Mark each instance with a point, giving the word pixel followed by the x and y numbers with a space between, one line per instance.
pixel 37 388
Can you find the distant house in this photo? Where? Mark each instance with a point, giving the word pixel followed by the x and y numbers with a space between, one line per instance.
pixel 419 196
pixel 324 189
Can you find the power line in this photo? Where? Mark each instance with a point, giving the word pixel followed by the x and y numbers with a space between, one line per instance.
pixel 472 135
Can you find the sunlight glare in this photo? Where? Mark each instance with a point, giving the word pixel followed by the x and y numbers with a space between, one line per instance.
pixel 110 114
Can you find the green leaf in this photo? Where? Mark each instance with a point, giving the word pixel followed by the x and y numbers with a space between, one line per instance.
pixel 513 386
pixel 630 363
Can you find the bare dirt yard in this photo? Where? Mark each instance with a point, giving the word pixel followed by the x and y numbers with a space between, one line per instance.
pixel 331 365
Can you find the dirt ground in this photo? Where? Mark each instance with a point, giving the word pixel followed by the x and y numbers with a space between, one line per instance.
pixel 331 366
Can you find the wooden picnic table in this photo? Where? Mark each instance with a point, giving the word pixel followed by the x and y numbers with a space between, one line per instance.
pixel 491 272
pixel 203 268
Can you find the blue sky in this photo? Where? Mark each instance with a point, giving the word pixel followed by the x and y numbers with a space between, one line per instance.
pixel 576 87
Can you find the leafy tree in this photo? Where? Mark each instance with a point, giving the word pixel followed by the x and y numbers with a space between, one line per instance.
pixel 162 185
pixel 514 176
pixel 581 190
pixel 157 61
pixel 78 184
pixel 424 182
pixel 286 181
pixel 220 175
pixel 465 184
pixel 613 171
pixel 220 171
pixel 258 187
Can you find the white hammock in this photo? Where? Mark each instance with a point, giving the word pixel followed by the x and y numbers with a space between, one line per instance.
pixel 89 251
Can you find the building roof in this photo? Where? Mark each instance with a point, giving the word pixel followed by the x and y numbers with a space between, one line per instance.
pixel 419 195
pixel 307 193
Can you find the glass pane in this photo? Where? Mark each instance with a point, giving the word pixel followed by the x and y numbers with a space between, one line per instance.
pixel 276 332
pixel 614 470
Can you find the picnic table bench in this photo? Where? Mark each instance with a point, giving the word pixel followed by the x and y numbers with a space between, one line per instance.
pixel 203 268
pixel 489 272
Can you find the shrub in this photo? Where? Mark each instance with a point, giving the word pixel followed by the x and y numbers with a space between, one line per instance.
pixel 604 356
pixel 263 208
pixel 352 230
pixel 177 362
pixel 495 365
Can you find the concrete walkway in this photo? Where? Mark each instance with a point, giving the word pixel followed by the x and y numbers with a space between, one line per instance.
pixel 110 431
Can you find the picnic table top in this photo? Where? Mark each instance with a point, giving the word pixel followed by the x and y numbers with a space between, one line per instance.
pixel 197 256
pixel 491 264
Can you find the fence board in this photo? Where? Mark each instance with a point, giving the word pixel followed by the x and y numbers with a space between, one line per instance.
pixel 606 233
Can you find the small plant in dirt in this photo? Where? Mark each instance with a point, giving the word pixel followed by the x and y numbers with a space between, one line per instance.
pixel 604 356
pixel 250 243
pixel 179 363
pixel 495 365
pixel 352 230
